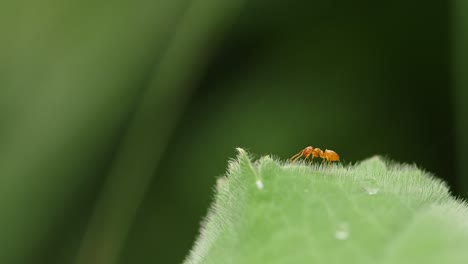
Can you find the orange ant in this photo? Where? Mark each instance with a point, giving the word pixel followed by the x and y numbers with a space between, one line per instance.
pixel 307 152
pixel 311 152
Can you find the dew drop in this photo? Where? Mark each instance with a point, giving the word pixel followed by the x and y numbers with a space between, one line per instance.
pixel 372 191
pixel 370 186
pixel 342 231
pixel 259 184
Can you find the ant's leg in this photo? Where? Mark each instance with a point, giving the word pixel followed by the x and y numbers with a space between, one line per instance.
pixel 311 159
pixel 296 157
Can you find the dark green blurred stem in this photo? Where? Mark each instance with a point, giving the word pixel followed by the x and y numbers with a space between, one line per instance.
pixel 461 91
pixel 150 129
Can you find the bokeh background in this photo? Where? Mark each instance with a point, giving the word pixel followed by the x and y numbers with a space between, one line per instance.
pixel 116 117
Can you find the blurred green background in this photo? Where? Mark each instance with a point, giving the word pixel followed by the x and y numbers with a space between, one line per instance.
pixel 116 117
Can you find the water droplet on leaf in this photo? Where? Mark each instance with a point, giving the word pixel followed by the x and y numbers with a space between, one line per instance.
pixel 370 186
pixel 259 184
pixel 342 231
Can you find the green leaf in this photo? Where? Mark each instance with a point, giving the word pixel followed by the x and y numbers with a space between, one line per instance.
pixel 373 212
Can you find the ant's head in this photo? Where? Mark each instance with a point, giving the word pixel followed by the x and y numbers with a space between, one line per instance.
pixel 308 150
